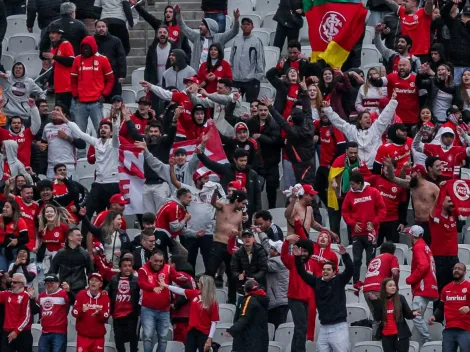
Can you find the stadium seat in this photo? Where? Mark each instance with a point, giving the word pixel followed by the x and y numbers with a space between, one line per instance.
pixel 284 333
pixel 350 252
pixel 289 317
pixel 268 21
pixel 8 59
pixel 267 90
pixel 278 216
pixel 271 56
pixel 464 253
pixel 369 55
pixel 137 76
pixel 129 95
pixel 16 24
pixel 435 331
pixel 271 331
pixel 433 346
pixel 226 312
pixel 406 292
pixel 227 52
pixel 71 333
pixel 263 34
pixel 266 5
pixel 87 181
pixel 275 346
pixel 4 43
pixel 245 107
pixel 350 296
pixel 401 252
pixel 465 173
pixel 19 43
pixel 414 346
pixel 106 109
pixel 132 107
pixel 221 295
pixel 359 333
pixel 171 346
pixel 132 233
pixel 306 50
pixel 368 346
pixel 228 23
pixel 31 61
pixel 71 345
pixel 141 93
pixel 303 34
pixel 409 257
pixel 356 312
pixel 243 5
pixel 36 331
pixel 368 35
pixel 405 271
pixel 84 169
pixel 255 17
pixel 225 347
pixel 219 335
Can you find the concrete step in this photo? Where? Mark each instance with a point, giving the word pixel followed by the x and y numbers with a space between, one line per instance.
pixel 192 23
pixel 185 6
pixel 136 61
pixel 137 51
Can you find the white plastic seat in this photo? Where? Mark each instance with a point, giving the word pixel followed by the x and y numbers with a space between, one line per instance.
pixel 255 17
pixel 132 233
pixel 8 59
pixel 406 292
pixel 351 297
pixel 16 24
pixel 306 50
pixel 129 95
pixel 84 168
pixel 464 253
pixel 227 52
pixel 368 346
pixel 278 216
pixel 225 347
pixel 31 61
pixel 405 271
pixel 71 345
pixel 271 331
pixel 36 331
pixel 359 333
pixel 433 346
pixel 226 312
pixel 266 90
pixel 245 107
pixel 87 181
pixel 71 334
pixel 271 56
pixel 368 35
pixel 171 346
pixel 414 346
pixel 369 55
pixel 264 6
pixel 221 295
pixel 244 6
pixel 284 333
pixel 132 107
pixel 268 21
pixel 228 23
pixel 141 93
pixel 289 317
pixel 356 312
pixel 303 34
pixel 106 109
pixel 220 336
pixel 401 252
pixel 136 77
pixel 263 34
pixel 275 346
pixel 409 257
pixel 19 43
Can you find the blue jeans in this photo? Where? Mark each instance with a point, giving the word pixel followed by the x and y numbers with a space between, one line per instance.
pixel 52 343
pixel 453 338
pixel 81 112
pixel 153 320
pixel 458 70
pixel 218 17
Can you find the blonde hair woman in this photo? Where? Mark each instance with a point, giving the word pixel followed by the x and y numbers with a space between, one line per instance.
pixel 368 97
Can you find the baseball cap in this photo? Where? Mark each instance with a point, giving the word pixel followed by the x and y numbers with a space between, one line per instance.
pixel 199 174
pixel 308 189
pixel 116 98
pixel 181 151
pixel 235 184
pixel 51 278
pixel 248 232
pixel 143 100
pixel 118 199
pixel 466 10
pixel 247 19
pixel 95 275
pixel 191 80
pixel 55 28
pixel 240 127
pixel 415 231
pixel 417 168
pixel 277 245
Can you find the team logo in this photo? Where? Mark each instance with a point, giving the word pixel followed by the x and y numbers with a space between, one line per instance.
pixel 406 147
pixel 415 17
pixel 56 234
pixel 247 147
pixel 394 189
pixel 175 33
pixel 461 190
pixel 96 63
pixel 330 25
pixel 449 158
pixel 47 305
pixel 412 84
pixel 328 133
pixel 464 290
pixel 374 266
pixel 161 277
pixel 159 241
pixel 124 287
pixel 219 68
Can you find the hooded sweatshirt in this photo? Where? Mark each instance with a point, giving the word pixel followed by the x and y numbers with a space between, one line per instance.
pixel 16 91
pixel 92 77
pixel 14 166
pixel 175 75
pixel 88 324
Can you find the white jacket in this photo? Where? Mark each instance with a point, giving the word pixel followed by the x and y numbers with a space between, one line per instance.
pixel 368 140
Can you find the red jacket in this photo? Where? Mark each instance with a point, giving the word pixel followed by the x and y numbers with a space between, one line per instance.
pixel 87 324
pixel 92 76
pixel 169 218
pixel 364 206
pixel 54 310
pixel 181 311
pixel 17 311
pixel 224 70
pixel 423 272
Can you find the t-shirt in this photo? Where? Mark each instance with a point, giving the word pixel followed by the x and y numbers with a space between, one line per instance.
pixel 418 27
pixel 11 229
pixel 444 237
pixel 58 150
pixel 24 139
pixel 455 296
pixel 390 328
pixel 392 195
pixel 241 176
pixel 123 304
pixel 330 138
pixel 379 269
pixel 451 159
pixel 399 153
pixel 205 51
pixel 55 238
pixel 29 214
pixel 407 96
pixel 201 318
pixel 62 82
pixel 162 58
pixel 442 102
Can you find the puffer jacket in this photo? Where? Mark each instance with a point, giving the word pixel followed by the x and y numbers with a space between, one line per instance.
pixel 459 48
pixel 46 10
pixel 256 268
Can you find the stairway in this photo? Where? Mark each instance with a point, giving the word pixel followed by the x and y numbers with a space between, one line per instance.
pixel 191 12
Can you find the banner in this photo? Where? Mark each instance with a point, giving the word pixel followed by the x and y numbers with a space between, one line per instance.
pixel 459 193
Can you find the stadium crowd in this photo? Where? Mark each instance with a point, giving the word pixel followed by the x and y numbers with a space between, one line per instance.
pixel 371 158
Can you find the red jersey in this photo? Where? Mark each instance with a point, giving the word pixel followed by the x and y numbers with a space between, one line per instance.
pixel 391 327
pixel 140 123
pixel 87 324
pixel 185 126
pixel 62 73
pixel 456 296
pixel 423 279
pixel 174 32
pixel 17 311
pixel 241 176
pixel 444 237
pixel 330 137
pixel 451 158
pixel 29 213
pixel 392 195
pixel 379 269
pixel 91 77
pixel 224 70
pixel 59 189
pixel 99 220
pixel 418 27
pixel 54 310
pixel 407 96
pixel 55 238
pixel 399 153
pixel 24 139
pixel 291 98
pixel 10 228
pixel 200 317
pixel 123 305
pixel 170 215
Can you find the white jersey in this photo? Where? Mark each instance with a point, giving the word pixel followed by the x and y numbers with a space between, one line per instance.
pixel 59 151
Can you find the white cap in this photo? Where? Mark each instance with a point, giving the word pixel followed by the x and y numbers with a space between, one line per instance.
pixel 415 231
pixel 277 245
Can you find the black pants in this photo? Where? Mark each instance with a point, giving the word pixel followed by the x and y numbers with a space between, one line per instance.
pixel 117 88
pixel 427 232
pixel 388 230
pixel 250 89
pixel 321 183
pixel 444 270
pixel 125 330
pixel 219 254
pixel 271 177
pixel 64 98
pixel 278 315
pixel 16 8
pixel 393 344
pixel 194 244
pixel 118 28
pixel 361 243
pixel 299 311
pixel 195 341
pixel 304 172
pixel 284 32
pixel 22 343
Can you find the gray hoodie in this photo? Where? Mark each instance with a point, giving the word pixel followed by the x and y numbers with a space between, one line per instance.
pixel 175 78
pixel 16 92
pixel 247 58
pixel 194 36
pixel 11 157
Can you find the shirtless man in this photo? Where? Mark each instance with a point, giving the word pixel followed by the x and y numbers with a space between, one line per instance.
pixel 300 208
pixel 423 194
pixel 228 223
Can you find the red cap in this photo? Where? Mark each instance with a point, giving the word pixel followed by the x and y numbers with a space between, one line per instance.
pixel 235 184
pixel 308 189
pixel 118 199
pixel 198 174
pixel 241 126
pixel 95 275
pixel 418 168
pixel 191 80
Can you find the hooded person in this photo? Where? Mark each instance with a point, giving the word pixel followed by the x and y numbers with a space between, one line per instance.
pixel 17 87
pixel 199 117
pixel 455 119
pixel 438 56
pixel 398 148
pixel 241 140
pixel 287 89
pixel 11 165
pixel 179 70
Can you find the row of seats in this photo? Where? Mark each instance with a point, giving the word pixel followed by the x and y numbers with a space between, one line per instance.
pixel 30 59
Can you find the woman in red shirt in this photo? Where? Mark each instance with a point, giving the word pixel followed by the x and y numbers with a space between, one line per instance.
pixel 214 68
pixel 52 230
pixel 391 309
pixel 203 316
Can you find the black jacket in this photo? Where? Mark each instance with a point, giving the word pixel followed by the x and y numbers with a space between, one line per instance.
pixel 86 9
pixel 329 295
pixel 433 85
pixel 392 21
pixel 256 268
pixel 47 11
pixel 286 14
pixel 161 150
pixel 39 158
pixel 214 5
pixel 402 327
pixel 74 32
pixel 250 145
pixel 250 328
pixel 227 174
pixel 72 266
pixel 269 141
pixel 113 289
pixel 282 89
pixel 111 47
pixel 141 256
pixel 459 49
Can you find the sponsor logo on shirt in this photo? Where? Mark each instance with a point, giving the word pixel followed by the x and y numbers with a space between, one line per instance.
pixel 362 199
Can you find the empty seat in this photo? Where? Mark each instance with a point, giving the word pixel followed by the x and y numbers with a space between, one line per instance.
pixel 271 330
pixel 8 59
pixel 16 24
pixel 225 347
pixel 268 21
pixel 132 107
pixel 84 168
pixel 306 50
pixel 368 346
pixel 87 181
pixel 433 346
pixel 357 311
pixel 275 346
pixel 405 271
pixel 227 52
pixel 263 34
pixel 278 216
pixel 264 6
pixel 289 317
pixel 132 233
pixel 464 253
pixel 228 23
pixel 267 90
pixel 32 62
pixel 220 333
pixel 129 95
pixel 245 107
pixel 406 292
pixel 136 77
pixel 351 297
pixel 369 54
pixel 19 43
pixel 255 17
pixel 221 295
pixel 284 333
pixel 303 34
pixel 414 346
pixel 141 93
pixel 226 313
pixel 409 257
pixel 243 5
pixel 359 333
pixel 401 252
pixel 368 35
